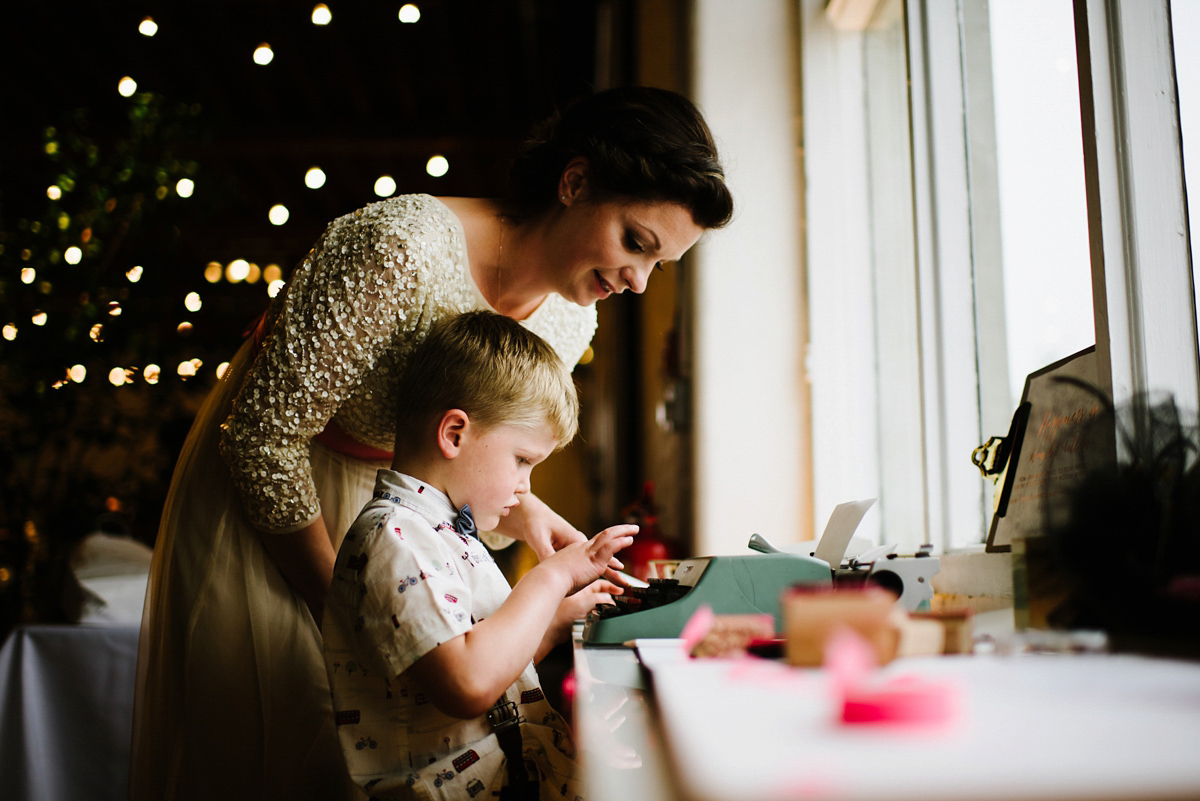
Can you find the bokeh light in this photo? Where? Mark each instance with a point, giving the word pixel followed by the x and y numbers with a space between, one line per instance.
pixel 96 333
pixel 237 270
pixel 263 54
pixel 28 275
pixel 253 274
pixel 278 214
pixel 77 373
pixel 53 192
pixel 272 273
pixel 186 370
pixel 222 368
pixel 10 332
pixel 192 302
pixel 184 187
pixel 134 274
pixel 213 271
pixel 114 309
pixel 321 15
pixel 385 186
pixel 184 328
pixel 126 86
pixel 437 166
pixel 39 318
pixel 116 376
pixel 148 27
pixel 152 373
pixel 273 288
pixel 314 178
pixel 73 255
pixel 409 13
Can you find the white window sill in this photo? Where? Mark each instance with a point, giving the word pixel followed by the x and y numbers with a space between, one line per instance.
pixel 975 579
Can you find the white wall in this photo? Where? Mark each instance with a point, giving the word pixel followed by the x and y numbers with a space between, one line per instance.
pixel 749 334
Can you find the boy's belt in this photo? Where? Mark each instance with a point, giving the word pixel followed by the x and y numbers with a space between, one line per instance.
pixel 506 723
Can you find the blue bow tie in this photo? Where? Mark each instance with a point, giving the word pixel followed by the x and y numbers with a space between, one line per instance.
pixel 465 522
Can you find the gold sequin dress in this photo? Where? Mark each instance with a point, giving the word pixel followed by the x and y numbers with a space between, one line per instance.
pixel 232 697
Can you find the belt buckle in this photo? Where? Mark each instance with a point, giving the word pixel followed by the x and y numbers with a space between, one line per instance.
pixel 503 715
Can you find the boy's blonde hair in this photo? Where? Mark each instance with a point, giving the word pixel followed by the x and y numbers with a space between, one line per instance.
pixel 493 369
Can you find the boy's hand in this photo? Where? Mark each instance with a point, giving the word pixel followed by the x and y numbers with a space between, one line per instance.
pixel 575 607
pixel 581 563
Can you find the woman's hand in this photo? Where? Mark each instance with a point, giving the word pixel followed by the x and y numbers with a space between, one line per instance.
pixel 305 558
pixel 539 526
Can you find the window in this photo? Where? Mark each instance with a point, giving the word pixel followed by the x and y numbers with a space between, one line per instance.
pixel 987 234
pixel 1043 203
pixel 1185 20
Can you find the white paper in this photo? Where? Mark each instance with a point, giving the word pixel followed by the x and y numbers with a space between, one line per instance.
pixel 838 531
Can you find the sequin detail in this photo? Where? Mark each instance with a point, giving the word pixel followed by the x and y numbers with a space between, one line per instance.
pixel 353 310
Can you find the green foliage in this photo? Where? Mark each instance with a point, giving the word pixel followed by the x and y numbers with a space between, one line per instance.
pixel 66 254
pixel 70 450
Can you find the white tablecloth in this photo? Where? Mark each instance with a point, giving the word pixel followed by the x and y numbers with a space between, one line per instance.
pixel 66 711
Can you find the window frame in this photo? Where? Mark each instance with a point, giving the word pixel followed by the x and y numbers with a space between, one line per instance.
pixel 1144 303
pixel 1142 275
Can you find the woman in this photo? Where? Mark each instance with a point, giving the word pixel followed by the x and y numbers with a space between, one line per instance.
pixel 232 695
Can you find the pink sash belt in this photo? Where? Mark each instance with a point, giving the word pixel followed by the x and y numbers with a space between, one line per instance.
pixel 336 439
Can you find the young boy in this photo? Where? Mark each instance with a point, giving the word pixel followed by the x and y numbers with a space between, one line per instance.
pixel 429 653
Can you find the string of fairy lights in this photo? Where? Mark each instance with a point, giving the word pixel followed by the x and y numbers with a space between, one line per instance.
pixel 235 271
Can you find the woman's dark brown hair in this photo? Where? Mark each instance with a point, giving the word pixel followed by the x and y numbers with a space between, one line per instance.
pixel 640 142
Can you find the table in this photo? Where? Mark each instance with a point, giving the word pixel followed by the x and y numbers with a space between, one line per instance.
pixel 1031 726
pixel 66 712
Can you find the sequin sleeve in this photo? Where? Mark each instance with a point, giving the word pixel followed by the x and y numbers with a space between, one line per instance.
pixel 354 294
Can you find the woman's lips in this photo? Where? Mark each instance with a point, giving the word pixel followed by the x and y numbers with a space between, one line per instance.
pixel 604 289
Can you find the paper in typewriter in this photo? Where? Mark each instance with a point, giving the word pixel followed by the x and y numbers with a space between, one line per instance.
pixel 840 529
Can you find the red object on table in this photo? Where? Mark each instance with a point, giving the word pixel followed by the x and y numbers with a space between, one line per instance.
pixel 648 545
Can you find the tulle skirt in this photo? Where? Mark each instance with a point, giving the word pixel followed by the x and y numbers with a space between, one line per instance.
pixel 232 699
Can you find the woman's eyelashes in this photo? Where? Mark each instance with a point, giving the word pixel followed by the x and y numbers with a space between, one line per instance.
pixel 631 242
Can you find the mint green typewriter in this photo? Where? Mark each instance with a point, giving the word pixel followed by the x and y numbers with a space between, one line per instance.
pixel 730 585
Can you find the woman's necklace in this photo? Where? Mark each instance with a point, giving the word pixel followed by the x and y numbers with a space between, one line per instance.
pixel 499 261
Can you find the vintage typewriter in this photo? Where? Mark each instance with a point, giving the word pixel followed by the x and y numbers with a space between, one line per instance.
pixel 730 585
pixel 754 584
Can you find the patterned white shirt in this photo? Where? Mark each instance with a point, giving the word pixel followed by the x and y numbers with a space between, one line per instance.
pixel 405 582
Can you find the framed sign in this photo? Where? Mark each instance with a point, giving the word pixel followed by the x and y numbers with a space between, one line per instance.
pixel 1049 449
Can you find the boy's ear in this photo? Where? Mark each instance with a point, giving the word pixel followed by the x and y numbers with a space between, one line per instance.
pixel 452 428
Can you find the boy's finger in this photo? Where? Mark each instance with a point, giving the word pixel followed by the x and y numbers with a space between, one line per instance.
pixel 623 530
pixel 613 575
pixel 618 544
pixel 616 579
